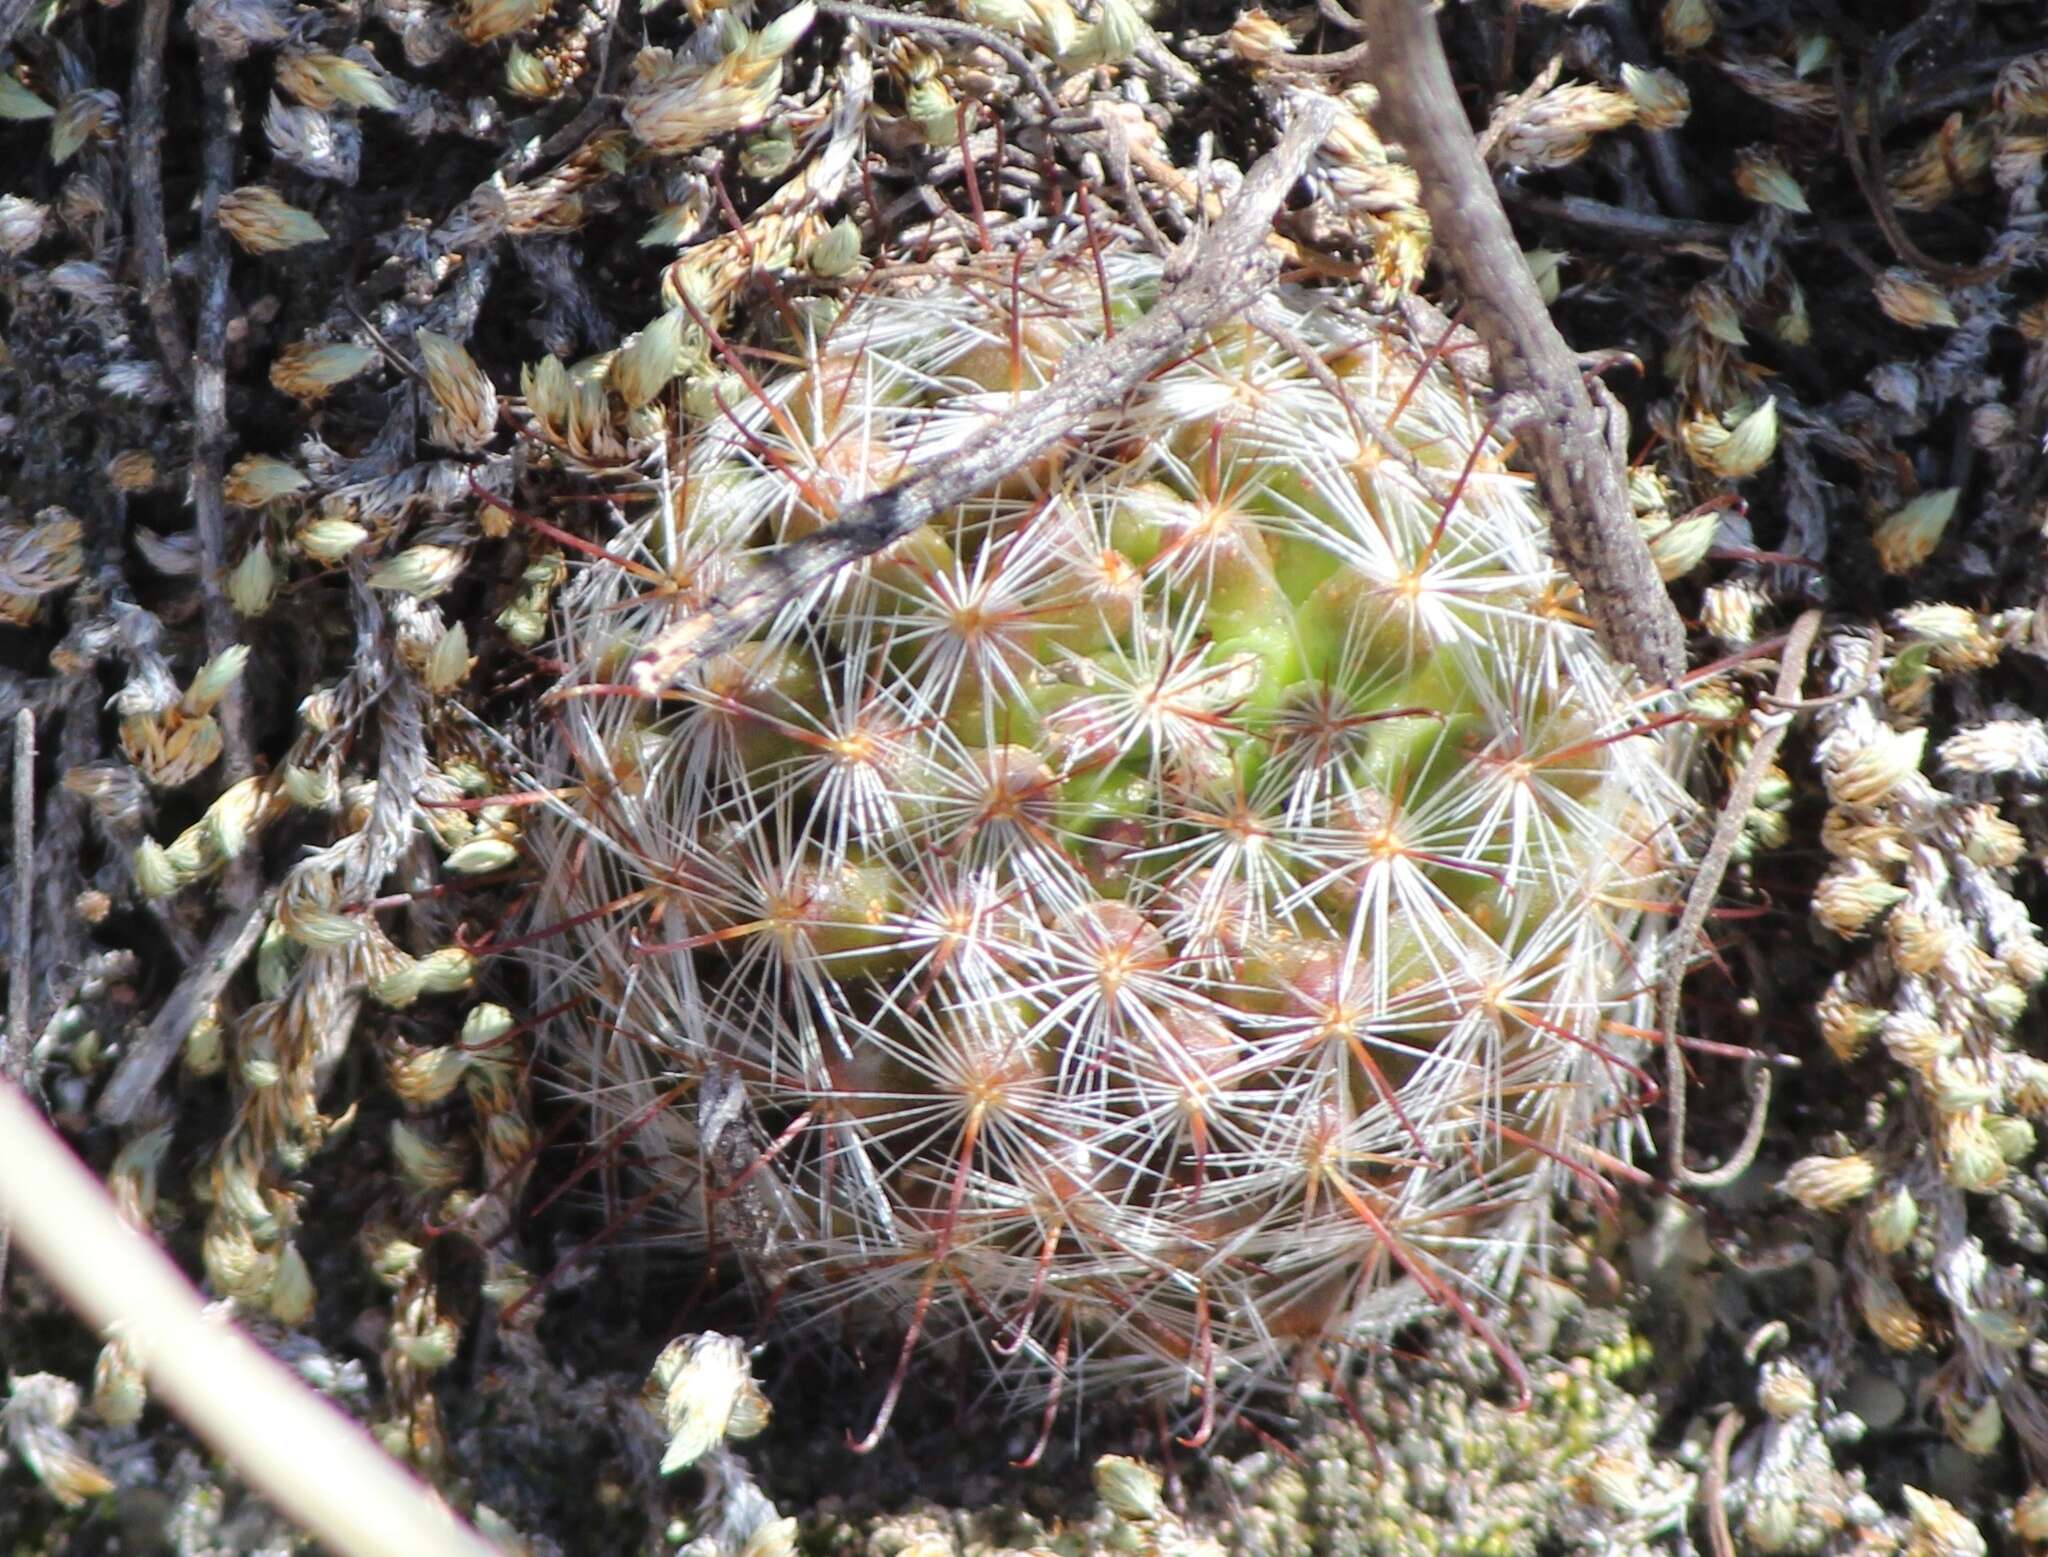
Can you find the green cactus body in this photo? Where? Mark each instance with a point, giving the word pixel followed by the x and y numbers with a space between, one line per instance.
pixel 1178 911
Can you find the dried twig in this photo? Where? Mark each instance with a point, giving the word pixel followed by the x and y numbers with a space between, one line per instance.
pixel 1231 265
pixel 317 1466
pixel 1652 229
pixel 1699 901
pixel 210 426
pixel 146 189
pixel 134 1081
pixel 1571 444
pixel 947 27
pixel 14 1048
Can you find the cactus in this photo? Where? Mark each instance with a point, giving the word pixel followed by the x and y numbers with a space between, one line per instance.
pixel 1177 915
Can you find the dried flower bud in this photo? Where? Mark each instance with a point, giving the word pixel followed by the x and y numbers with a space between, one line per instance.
pixel 1714 311
pixel 644 364
pixel 324 80
pixel 420 571
pixel 2014 1138
pixel 449 661
pixel 399 985
pixel 38 560
pixel 1959 1084
pixel 1970 1158
pixel 1734 450
pixel 119 1391
pixel 424 1076
pixel 485 21
pixel 446 971
pixel 465 415
pixel 309 369
pixel 2016 746
pixel 1117 33
pixel 676 105
pixel 1939 1529
pixel 231 818
pixel 1785 1390
pixel 1908 299
pixel 290 1294
pixel 22 224
pixel 1891 1221
pixel 1829 1183
pixel 1846 1025
pixel 837 251
pixel 1793 326
pixel 1850 897
pixel 1887 1313
pixel 214 678
pixel 1686 25
pixel 1763 177
pixel 88 115
pixel 704 1392
pixel 423 1165
pixel 1729 611
pixel 2021 91
pixel 1917 1042
pixel 257 479
pixel 1908 537
pixel 1869 775
pixel 1558 128
pixel 1954 634
pixel 258 219
pixel 1661 98
pixel 1679 547
pixel 253 582
pixel 155 875
pixel 201 1051
pixel 483 855
pixel 1951 160
pixel 40 1406
pixel 329 540
pixel 772 1538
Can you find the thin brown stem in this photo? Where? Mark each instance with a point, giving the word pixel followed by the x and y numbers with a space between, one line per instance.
pixel 1570 442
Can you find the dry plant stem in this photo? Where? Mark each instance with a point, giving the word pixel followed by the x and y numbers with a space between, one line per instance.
pixel 304 1455
pixel 146 188
pixel 134 1081
pixel 1714 1485
pixel 947 27
pixel 1650 228
pixel 20 973
pixel 210 429
pixel 1230 267
pixel 1699 901
pixel 1548 407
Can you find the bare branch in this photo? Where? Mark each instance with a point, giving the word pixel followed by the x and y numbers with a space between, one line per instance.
pixel 1548 406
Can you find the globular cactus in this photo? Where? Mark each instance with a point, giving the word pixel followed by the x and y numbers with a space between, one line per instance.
pixel 1172 917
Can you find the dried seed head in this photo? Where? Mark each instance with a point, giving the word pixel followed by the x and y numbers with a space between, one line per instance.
pixel 1737 447
pixel 449 662
pixel 1918 1042
pixel 644 364
pixel 1909 299
pixel 2015 746
pixel 1117 33
pixel 329 539
pixel 94 114
pixel 1870 774
pixel 1829 1183
pixel 1846 1025
pixel 1939 1528
pixel 1970 1158
pixel 1762 176
pixel 465 415
pixel 419 571
pixel 2013 1137
pixel 1886 1312
pixel 1686 25
pixel 258 218
pixel 2030 1515
pixel 1662 100
pixel 1955 634
pixel 256 479
pixel 324 80
pixel 1785 1390
pixel 1907 538
pixel 1680 546
pixel 703 1391
pixel 38 560
pixel 1714 311
pixel 1891 1220
pixel 119 1391
pixel 676 105
pixel 486 21
pixel 1951 160
pixel 2021 91
pixel 1558 128
pixel 253 583
pixel 425 1166
pixel 1729 611
pixel 1850 898
pixel 307 370
pixel 22 224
